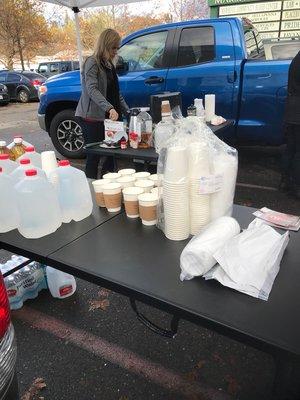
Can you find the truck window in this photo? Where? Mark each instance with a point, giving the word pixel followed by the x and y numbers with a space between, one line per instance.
pixel 65 67
pixel 144 52
pixel 3 78
pixel 13 78
pixel 254 43
pixel 196 45
pixel 43 68
pixel 54 67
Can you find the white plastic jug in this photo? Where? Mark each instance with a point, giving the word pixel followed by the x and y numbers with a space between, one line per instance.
pixel 7 165
pixel 61 285
pixel 9 214
pixel 33 156
pixel 38 206
pixel 19 173
pixel 73 190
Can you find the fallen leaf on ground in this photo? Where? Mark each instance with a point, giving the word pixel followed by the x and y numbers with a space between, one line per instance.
pixel 103 292
pixel 98 304
pixel 37 385
pixel 233 385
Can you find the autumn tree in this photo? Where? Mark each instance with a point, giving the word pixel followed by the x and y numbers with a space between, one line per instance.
pixel 189 9
pixel 23 30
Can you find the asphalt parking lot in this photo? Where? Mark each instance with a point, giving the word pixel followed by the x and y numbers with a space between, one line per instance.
pixel 90 346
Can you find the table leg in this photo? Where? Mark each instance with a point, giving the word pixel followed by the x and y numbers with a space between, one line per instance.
pixel 287 379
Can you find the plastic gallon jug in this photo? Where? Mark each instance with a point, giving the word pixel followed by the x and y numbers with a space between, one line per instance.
pixel 7 165
pixel 60 284
pixel 9 214
pixel 33 156
pixel 18 148
pixel 73 190
pixel 19 173
pixel 38 206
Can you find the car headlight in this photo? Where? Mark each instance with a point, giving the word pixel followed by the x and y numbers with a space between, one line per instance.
pixel 5 88
pixel 42 90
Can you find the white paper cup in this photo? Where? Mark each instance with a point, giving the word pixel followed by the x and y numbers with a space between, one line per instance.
pixel 131 202
pixel 126 171
pixel 147 208
pixel 155 179
pixel 158 191
pixel 126 181
pixel 49 162
pixel 145 184
pixel 176 168
pixel 98 189
pixel 112 176
pixel 112 196
pixel 142 175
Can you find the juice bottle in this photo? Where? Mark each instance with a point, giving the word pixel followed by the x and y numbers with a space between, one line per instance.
pixel 5 150
pixel 18 148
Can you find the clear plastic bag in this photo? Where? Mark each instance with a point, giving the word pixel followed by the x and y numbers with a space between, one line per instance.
pixel 198 173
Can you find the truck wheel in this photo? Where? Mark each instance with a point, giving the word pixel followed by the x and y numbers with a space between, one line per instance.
pixel 66 134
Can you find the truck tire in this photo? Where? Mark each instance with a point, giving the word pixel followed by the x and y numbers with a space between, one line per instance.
pixel 66 134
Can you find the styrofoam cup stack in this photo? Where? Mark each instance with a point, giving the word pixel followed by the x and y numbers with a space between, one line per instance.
pixel 156 179
pixel 126 181
pixel 176 194
pixel 142 175
pixel 49 162
pixel 145 184
pixel 126 171
pixel 199 168
pixel 98 188
pixel 112 176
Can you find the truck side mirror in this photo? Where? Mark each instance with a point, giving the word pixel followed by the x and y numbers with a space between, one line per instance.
pixel 121 66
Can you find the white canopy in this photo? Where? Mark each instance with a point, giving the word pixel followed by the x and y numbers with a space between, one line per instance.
pixel 76 5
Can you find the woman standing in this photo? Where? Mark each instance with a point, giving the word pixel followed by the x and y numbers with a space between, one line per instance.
pixel 100 97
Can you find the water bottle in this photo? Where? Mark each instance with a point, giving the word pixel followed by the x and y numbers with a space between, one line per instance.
pixel 9 213
pixel 200 112
pixel 5 150
pixel 7 165
pixel 33 156
pixel 73 190
pixel 24 164
pixel 13 284
pixel 61 284
pixel 38 206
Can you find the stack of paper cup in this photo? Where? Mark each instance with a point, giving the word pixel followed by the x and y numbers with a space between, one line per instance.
pixel 98 188
pixel 126 171
pixel 199 169
pixel 176 194
pixel 142 175
pixel 131 202
pixel 112 196
pixel 156 179
pixel 148 208
pixel 126 181
pixel 112 176
pixel 157 190
pixel 49 162
pixel 210 106
pixel 145 184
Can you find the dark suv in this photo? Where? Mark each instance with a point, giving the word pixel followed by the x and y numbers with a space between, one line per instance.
pixel 57 67
pixel 22 86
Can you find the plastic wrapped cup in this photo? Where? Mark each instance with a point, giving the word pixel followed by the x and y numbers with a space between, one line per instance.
pixel 198 156
pixel 126 171
pixel 158 191
pixel 155 179
pixel 98 188
pixel 147 208
pixel 112 176
pixel 49 162
pixel 112 196
pixel 145 184
pixel 142 175
pixel 176 168
pixel 131 201
pixel 126 181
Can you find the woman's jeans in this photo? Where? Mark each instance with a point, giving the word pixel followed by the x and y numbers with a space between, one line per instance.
pixel 93 131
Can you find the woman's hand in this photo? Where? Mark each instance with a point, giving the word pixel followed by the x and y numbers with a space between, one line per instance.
pixel 113 115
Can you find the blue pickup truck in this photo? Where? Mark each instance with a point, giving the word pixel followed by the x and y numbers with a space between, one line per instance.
pixel 222 56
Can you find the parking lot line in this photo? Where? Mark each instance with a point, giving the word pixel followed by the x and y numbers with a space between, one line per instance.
pixel 118 355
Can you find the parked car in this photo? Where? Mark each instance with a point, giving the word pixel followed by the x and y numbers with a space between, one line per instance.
pixel 22 86
pixel 281 48
pixel 8 350
pixel 222 56
pixel 4 97
pixel 48 69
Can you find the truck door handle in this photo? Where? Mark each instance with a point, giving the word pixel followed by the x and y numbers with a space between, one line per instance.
pixel 154 79
pixel 231 77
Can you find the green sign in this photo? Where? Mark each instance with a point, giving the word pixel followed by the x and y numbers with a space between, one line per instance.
pixel 226 2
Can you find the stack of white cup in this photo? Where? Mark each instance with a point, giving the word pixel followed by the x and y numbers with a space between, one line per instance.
pixel 112 176
pixel 49 162
pixel 199 166
pixel 176 194
pixel 126 171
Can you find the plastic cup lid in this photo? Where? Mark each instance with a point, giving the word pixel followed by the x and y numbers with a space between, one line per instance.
pixel 2 143
pixel 4 156
pixel 31 172
pixel 25 161
pixel 18 139
pixel 64 163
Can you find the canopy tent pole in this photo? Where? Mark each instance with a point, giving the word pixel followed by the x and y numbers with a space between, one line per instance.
pixel 78 38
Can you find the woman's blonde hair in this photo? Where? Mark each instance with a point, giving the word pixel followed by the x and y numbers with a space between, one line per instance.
pixel 107 40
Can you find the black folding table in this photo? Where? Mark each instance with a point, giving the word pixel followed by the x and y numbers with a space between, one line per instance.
pixel 137 261
pixel 146 155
